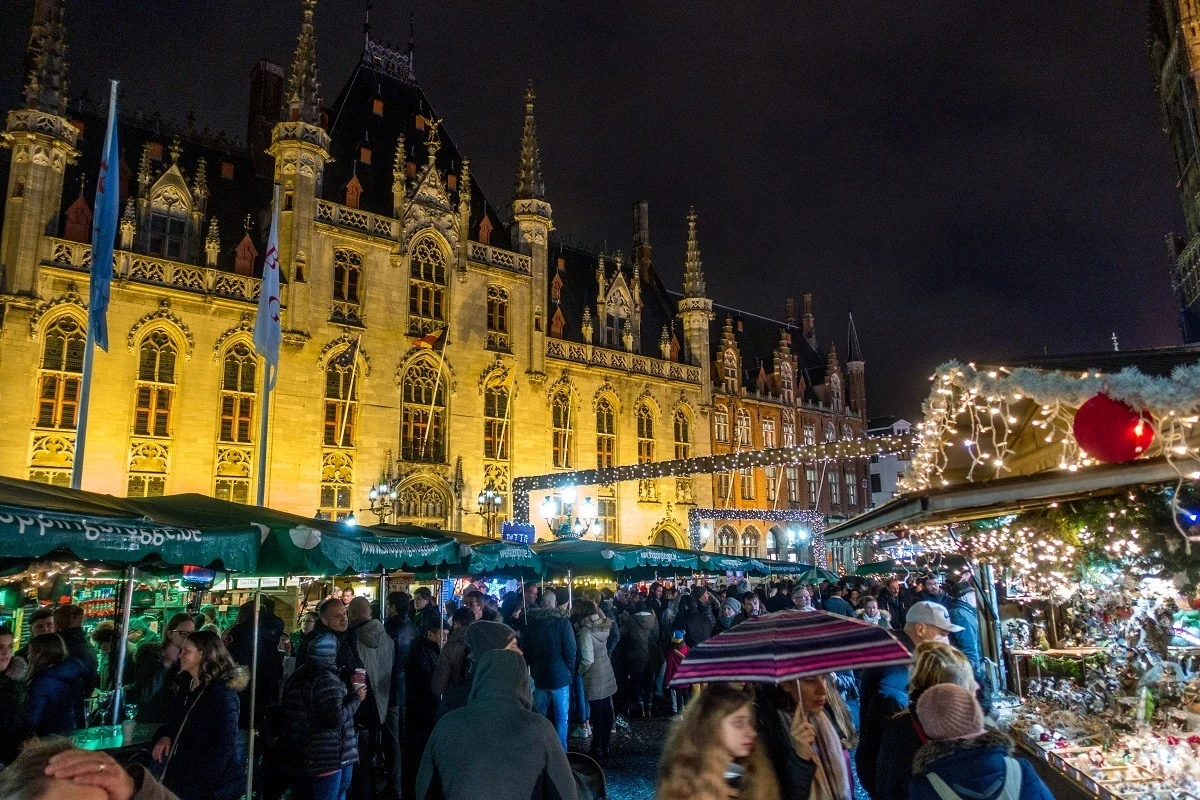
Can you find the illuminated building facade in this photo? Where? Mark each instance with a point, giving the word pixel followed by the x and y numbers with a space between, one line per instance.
pixel 430 339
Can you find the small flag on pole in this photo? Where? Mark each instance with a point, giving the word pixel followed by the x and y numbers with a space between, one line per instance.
pixel 104 229
pixel 433 340
pixel 268 331
pixel 346 357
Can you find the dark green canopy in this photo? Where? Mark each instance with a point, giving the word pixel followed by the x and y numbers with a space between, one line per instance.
pixel 719 564
pixel 294 545
pixel 505 558
pixel 584 557
pixel 37 521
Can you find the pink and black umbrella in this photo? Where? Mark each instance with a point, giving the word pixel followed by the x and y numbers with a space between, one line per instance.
pixel 789 645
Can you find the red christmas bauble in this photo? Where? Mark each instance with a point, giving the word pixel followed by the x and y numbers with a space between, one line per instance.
pixel 1111 431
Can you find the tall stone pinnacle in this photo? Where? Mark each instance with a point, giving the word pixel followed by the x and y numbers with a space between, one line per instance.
pixel 303 97
pixel 529 170
pixel 46 59
pixel 693 276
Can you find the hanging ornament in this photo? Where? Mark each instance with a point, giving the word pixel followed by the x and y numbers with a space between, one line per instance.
pixel 1111 431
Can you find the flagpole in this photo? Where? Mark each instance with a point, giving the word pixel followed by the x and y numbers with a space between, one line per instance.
pixel 503 449
pixel 349 393
pixel 99 282
pixel 437 384
pixel 268 332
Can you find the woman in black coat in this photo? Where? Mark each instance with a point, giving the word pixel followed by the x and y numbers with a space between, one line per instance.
pixel 421 704
pixel 198 746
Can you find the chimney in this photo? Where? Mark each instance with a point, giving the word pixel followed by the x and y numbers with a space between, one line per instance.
pixel 266 104
pixel 789 311
pixel 809 325
pixel 641 238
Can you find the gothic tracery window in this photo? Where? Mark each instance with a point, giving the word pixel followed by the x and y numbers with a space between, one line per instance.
pixel 495 422
pixel 560 412
pixel 750 542
pixel 497 317
pixel 235 434
pixel 647 488
pixel 427 288
pixel 341 403
pixel 683 434
pixel 422 414
pixel 154 396
pixel 58 381
pixel 606 434
pixel 347 284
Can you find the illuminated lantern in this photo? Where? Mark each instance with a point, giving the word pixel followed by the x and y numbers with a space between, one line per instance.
pixel 1111 431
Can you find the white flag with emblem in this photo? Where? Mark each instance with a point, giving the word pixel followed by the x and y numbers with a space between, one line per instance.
pixel 268 331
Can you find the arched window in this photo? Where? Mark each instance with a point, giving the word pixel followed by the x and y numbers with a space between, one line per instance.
pixel 835 392
pixel 606 434
pixel 341 401
pixel 58 382
pixel 560 412
pixel 426 296
pixel 155 385
pixel 647 488
pixel 168 230
pixel 773 538
pixel 729 371
pixel 155 394
pixel 847 433
pixel 423 414
pixel 727 541
pixel 743 428
pixel 337 485
pixel 347 274
pixel 683 434
pixel 721 424
pixel 495 422
pixel 239 369
pixel 750 542
pixel 497 318
pixel 830 432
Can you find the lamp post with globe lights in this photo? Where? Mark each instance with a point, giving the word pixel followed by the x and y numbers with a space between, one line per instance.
pixel 566 521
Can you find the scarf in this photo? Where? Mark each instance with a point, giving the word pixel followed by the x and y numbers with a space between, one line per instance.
pixel 831 781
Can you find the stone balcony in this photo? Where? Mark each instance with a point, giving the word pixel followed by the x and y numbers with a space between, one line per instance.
pixel 353 219
pixel 137 268
pixel 496 257
pixel 635 363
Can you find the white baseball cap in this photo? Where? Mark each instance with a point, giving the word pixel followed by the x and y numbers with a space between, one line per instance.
pixel 933 614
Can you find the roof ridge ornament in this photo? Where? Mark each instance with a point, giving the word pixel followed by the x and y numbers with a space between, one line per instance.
pixel 45 59
pixel 304 90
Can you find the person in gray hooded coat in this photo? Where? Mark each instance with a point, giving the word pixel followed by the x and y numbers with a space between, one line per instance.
pixel 499 701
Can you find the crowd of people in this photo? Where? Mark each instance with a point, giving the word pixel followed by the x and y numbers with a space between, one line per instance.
pixel 361 704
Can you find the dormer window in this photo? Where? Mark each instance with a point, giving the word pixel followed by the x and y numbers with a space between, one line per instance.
pixel 786 383
pixel 227 170
pixel 377 106
pixel 167 231
pixel 364 154
pixel 729 371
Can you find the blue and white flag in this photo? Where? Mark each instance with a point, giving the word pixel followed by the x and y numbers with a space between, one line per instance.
pixel 104 229
pixel 268 332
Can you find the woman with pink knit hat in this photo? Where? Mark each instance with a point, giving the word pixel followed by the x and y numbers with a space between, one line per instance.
pixel 964 761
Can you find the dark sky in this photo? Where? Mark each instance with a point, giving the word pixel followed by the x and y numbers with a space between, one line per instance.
pixel 976 180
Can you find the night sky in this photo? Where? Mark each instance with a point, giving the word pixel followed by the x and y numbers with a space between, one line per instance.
pixel 975 180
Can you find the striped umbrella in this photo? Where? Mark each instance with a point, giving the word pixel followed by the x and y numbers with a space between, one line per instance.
pixel 789 645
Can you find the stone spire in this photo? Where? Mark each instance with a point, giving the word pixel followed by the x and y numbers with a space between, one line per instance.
pixel 853 349
pixel 46 59
pixel 529 170
pixel 693 276
pixel 303 98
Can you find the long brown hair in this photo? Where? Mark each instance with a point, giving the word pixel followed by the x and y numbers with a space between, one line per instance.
pixel 215 660
pixel 46 650
pixel 694 761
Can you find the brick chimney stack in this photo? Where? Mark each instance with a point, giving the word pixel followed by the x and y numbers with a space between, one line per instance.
pixel 789 311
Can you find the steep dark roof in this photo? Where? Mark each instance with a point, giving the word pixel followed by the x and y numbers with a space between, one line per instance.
pixel 230 200
pixel 353 123
pixel 577 270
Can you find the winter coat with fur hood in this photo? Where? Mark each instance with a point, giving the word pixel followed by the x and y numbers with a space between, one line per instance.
pixel 204 760
pixel 974 768
pixel 599 681
pixel 376 652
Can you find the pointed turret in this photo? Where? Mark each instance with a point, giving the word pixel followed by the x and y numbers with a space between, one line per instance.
pixel 46 59
pixel 693 275
pixel 303 98
pixel 529 170
pixel 856 376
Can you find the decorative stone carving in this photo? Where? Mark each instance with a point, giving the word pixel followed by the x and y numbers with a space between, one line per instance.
pixel 163 314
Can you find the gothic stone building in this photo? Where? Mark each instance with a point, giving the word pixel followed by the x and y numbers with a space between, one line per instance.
pixel 429 336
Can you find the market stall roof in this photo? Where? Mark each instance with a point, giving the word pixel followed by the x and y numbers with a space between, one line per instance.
pixel 295 545
pixel 39 520
pixel 719 563
pixel 970 501
pixel 608 558
pixel 504 558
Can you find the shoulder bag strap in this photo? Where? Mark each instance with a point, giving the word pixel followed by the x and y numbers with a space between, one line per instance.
pixel 1012 779
pixel 939 786
pixel 179 732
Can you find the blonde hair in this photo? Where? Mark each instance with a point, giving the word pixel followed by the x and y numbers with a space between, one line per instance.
pixel 938 663
pixel 841 713
pixel 693 762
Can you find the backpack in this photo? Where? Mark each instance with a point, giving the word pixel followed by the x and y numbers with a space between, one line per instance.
pixel 1010 791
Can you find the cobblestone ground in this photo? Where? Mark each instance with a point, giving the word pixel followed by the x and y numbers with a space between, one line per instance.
pixel 631 770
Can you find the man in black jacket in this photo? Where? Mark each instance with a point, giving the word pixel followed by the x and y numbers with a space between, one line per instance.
pixel 403 631
pixel 240 641
pixel 891 601
pixel 68 622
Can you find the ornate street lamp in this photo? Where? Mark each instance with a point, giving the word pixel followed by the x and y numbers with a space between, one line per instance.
pixel 489 501
pixel 382 497
pixel 566 521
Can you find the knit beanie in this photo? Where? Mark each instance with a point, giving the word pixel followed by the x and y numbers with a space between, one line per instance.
pixel 733 604
pixel 483 636
pixel 677 637
pixel 948 711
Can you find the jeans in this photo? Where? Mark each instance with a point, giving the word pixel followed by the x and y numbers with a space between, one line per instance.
pixel 554 704
pixel 643 689
pixel 579 703
pixel 324 787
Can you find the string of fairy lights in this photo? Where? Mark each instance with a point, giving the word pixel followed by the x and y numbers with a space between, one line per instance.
pixel 825 452
pixel 977 409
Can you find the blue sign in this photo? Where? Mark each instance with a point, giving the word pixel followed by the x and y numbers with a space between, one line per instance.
pixel 518 532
